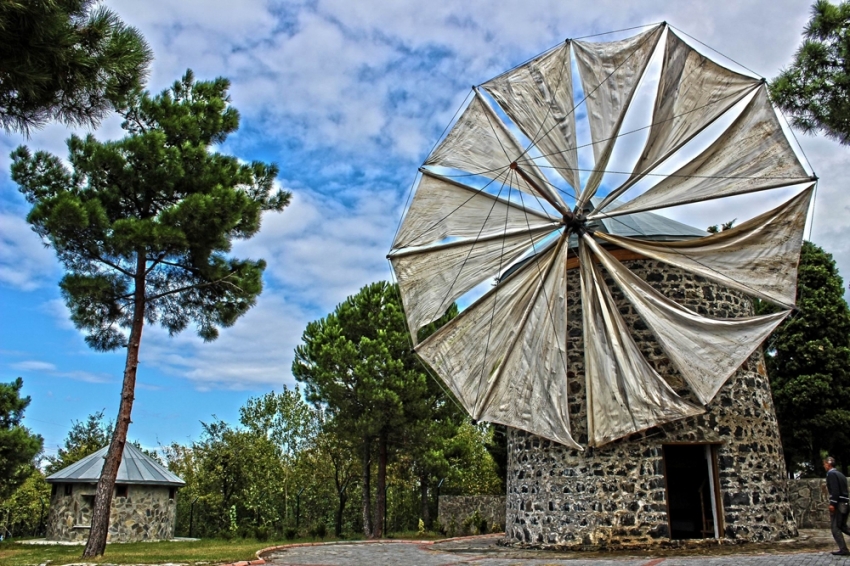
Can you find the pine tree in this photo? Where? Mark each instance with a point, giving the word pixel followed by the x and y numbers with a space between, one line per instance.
pixel 18 446
pixel 359 363
pixel 142 226
pixel 815 89
pixel 66 60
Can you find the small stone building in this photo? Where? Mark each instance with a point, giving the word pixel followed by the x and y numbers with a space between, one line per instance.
pixel 143 506
pixel 718 475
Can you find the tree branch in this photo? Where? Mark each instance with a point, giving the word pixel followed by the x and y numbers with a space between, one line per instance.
pixel 189 287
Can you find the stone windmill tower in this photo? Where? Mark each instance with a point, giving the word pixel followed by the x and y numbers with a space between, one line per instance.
pixel 620 346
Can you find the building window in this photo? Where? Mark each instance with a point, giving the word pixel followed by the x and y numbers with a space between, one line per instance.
pixel 69 488
pixel 53 491
pixel 121 490
pixel 171 492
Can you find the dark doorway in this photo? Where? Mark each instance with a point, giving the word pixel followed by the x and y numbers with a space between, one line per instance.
pixel 690 472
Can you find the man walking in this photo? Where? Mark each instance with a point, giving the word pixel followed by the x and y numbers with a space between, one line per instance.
pixel 836 484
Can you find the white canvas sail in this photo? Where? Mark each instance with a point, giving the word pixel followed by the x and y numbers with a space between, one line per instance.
pixel 610 73
pixel 442 208
pixel 469 352
pixel 481 144
pixel 624 393
pixel 758 257
pixel 693 92
pixel 706 351
pixel 752 155
pixel 538 97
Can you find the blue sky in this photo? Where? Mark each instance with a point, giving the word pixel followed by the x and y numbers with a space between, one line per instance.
pixel 348 98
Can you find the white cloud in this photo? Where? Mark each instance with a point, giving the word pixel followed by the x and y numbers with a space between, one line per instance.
pixel 50 369
pixel 34 365
pixel 256 352
pixel 25 263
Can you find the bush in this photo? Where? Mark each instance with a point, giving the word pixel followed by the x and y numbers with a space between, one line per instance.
pixel 319 530
pixel 451 528
pixel 262 533
pixel 290 533
pixel 437 527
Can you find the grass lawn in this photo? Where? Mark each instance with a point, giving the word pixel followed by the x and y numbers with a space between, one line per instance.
pixel 212 551
pixel 205 551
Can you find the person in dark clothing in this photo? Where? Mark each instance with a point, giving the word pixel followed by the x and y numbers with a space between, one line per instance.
pixel 836 484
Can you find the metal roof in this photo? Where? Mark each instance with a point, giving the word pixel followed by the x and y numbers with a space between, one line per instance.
pixel 136 468
pixel 648 226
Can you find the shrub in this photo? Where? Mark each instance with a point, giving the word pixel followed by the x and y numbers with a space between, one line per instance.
pixel 290 533
pixel 451 528
pixel 468 526
pixel 262 533
pixel 319 530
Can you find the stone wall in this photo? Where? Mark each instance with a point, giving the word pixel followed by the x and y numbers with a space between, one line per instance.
pixel 147 513
pixel 810 502
pixel 459 508
pixel 615 495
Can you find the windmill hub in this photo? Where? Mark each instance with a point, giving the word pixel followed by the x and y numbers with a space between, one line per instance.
pixel 575 223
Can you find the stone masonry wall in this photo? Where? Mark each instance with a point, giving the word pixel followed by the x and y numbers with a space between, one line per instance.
pixel 146 513
pixel 459 508
pixel 614 495
pixel 810 502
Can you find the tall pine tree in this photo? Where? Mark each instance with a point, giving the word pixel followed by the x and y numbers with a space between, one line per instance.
pixel 69 60
pixel 143 226
pixel 359 363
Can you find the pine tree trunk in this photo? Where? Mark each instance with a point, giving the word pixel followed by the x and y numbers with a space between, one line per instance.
pixel 96 544
pixel 367 487
pixel 423 494
pixel 381 488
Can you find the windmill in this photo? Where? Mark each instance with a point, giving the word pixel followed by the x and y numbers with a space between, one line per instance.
pixel 502 208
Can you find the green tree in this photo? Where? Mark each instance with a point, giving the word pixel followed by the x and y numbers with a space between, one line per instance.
pixel 66 60
pixel 240 470
pixel 358 362
pixel 24 512
pixel 808 360
pixel 143 225
pixel 18 446
pixel 289 422
pixel 815 89
pixel 84 438
pixel 285 417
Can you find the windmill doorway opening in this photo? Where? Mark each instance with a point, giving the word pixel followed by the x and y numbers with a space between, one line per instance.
pixel 690 473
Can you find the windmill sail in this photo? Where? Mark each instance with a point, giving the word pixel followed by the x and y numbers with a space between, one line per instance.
pixel 610 73
pixel 706 351
pixel 442 209
pixel 758 257
pixel 752 155
pixel 625 394
pixel 481 144
pixel 482 350
pixel 538 96
pixel 693 92
pixel 505 355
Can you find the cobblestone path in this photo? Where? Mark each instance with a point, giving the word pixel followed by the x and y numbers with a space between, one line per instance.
pixel 419 554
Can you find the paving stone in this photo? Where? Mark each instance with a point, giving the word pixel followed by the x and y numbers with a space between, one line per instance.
pixel 484 551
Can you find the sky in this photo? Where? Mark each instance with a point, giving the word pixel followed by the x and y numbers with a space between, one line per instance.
pixel 348 98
